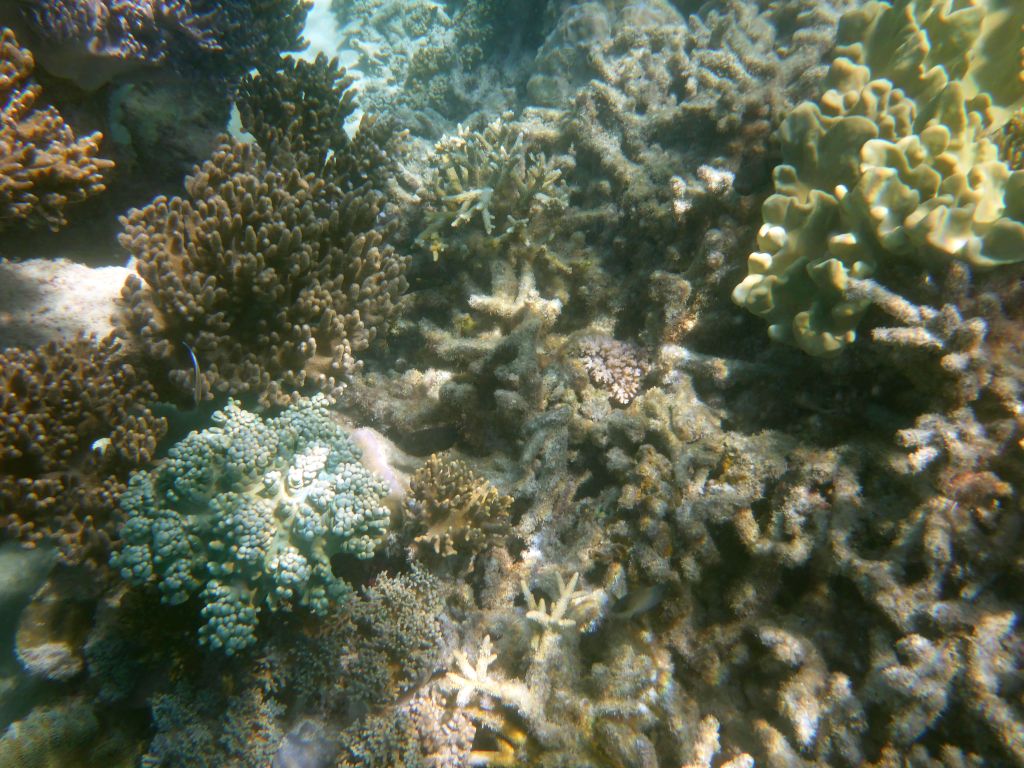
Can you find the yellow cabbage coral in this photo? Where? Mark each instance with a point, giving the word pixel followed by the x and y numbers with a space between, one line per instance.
pixel 898 160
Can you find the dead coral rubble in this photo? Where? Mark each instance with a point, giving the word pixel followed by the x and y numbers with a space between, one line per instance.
pixel 273 274
pixel 74 420
pixel 43 165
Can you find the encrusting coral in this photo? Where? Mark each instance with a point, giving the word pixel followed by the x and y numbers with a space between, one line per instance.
pixel 247 514
pixel 43 166
pixel 75 418
pixel 273 268
pixel 896 164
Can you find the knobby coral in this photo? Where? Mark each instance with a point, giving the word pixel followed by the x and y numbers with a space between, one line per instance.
pixel 43 165
pixel 74 420
pixel 247 514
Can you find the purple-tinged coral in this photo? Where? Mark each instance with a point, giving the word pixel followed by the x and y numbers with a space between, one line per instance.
pixel 92 41
pixel 619 367
pixel 141 31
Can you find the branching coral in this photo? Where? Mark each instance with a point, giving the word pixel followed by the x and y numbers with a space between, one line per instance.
pixel 247 515
pixel 399 639
pixel 625 702
pixel 274 267
pixel 218 263
pixel 74 420
pixel 453 514
pixel 43 165
pixel 385 644
pixel 489 174
pixel 421 733
pixel 296 110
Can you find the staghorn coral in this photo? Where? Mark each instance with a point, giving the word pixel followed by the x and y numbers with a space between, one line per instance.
pixel 894 165
pixel 492 175
pixel 247 515
pixel 75 418
pixel 625 700
pixel 452 513
pixel 216 264
pixel 44 166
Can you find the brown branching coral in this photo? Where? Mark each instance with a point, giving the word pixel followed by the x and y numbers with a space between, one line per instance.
pixel 272 279
pixel 297 110
pixel 74 420
pixel 43 165
pixel 453 513
pixel 274 266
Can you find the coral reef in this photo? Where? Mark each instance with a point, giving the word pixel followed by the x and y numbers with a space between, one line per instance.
pixel 596 520
pixel 247 515
pixel 45 166
pixel 893 166
pixel 75 419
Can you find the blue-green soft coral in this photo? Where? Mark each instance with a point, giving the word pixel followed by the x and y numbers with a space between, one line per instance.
pixel 247 514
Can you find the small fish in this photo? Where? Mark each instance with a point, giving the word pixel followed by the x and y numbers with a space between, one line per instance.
pixel 197 380
pixel 638 601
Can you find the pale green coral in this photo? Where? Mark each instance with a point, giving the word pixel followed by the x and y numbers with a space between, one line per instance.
pixel 491 175
pixel 247 514
pixel 896 162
